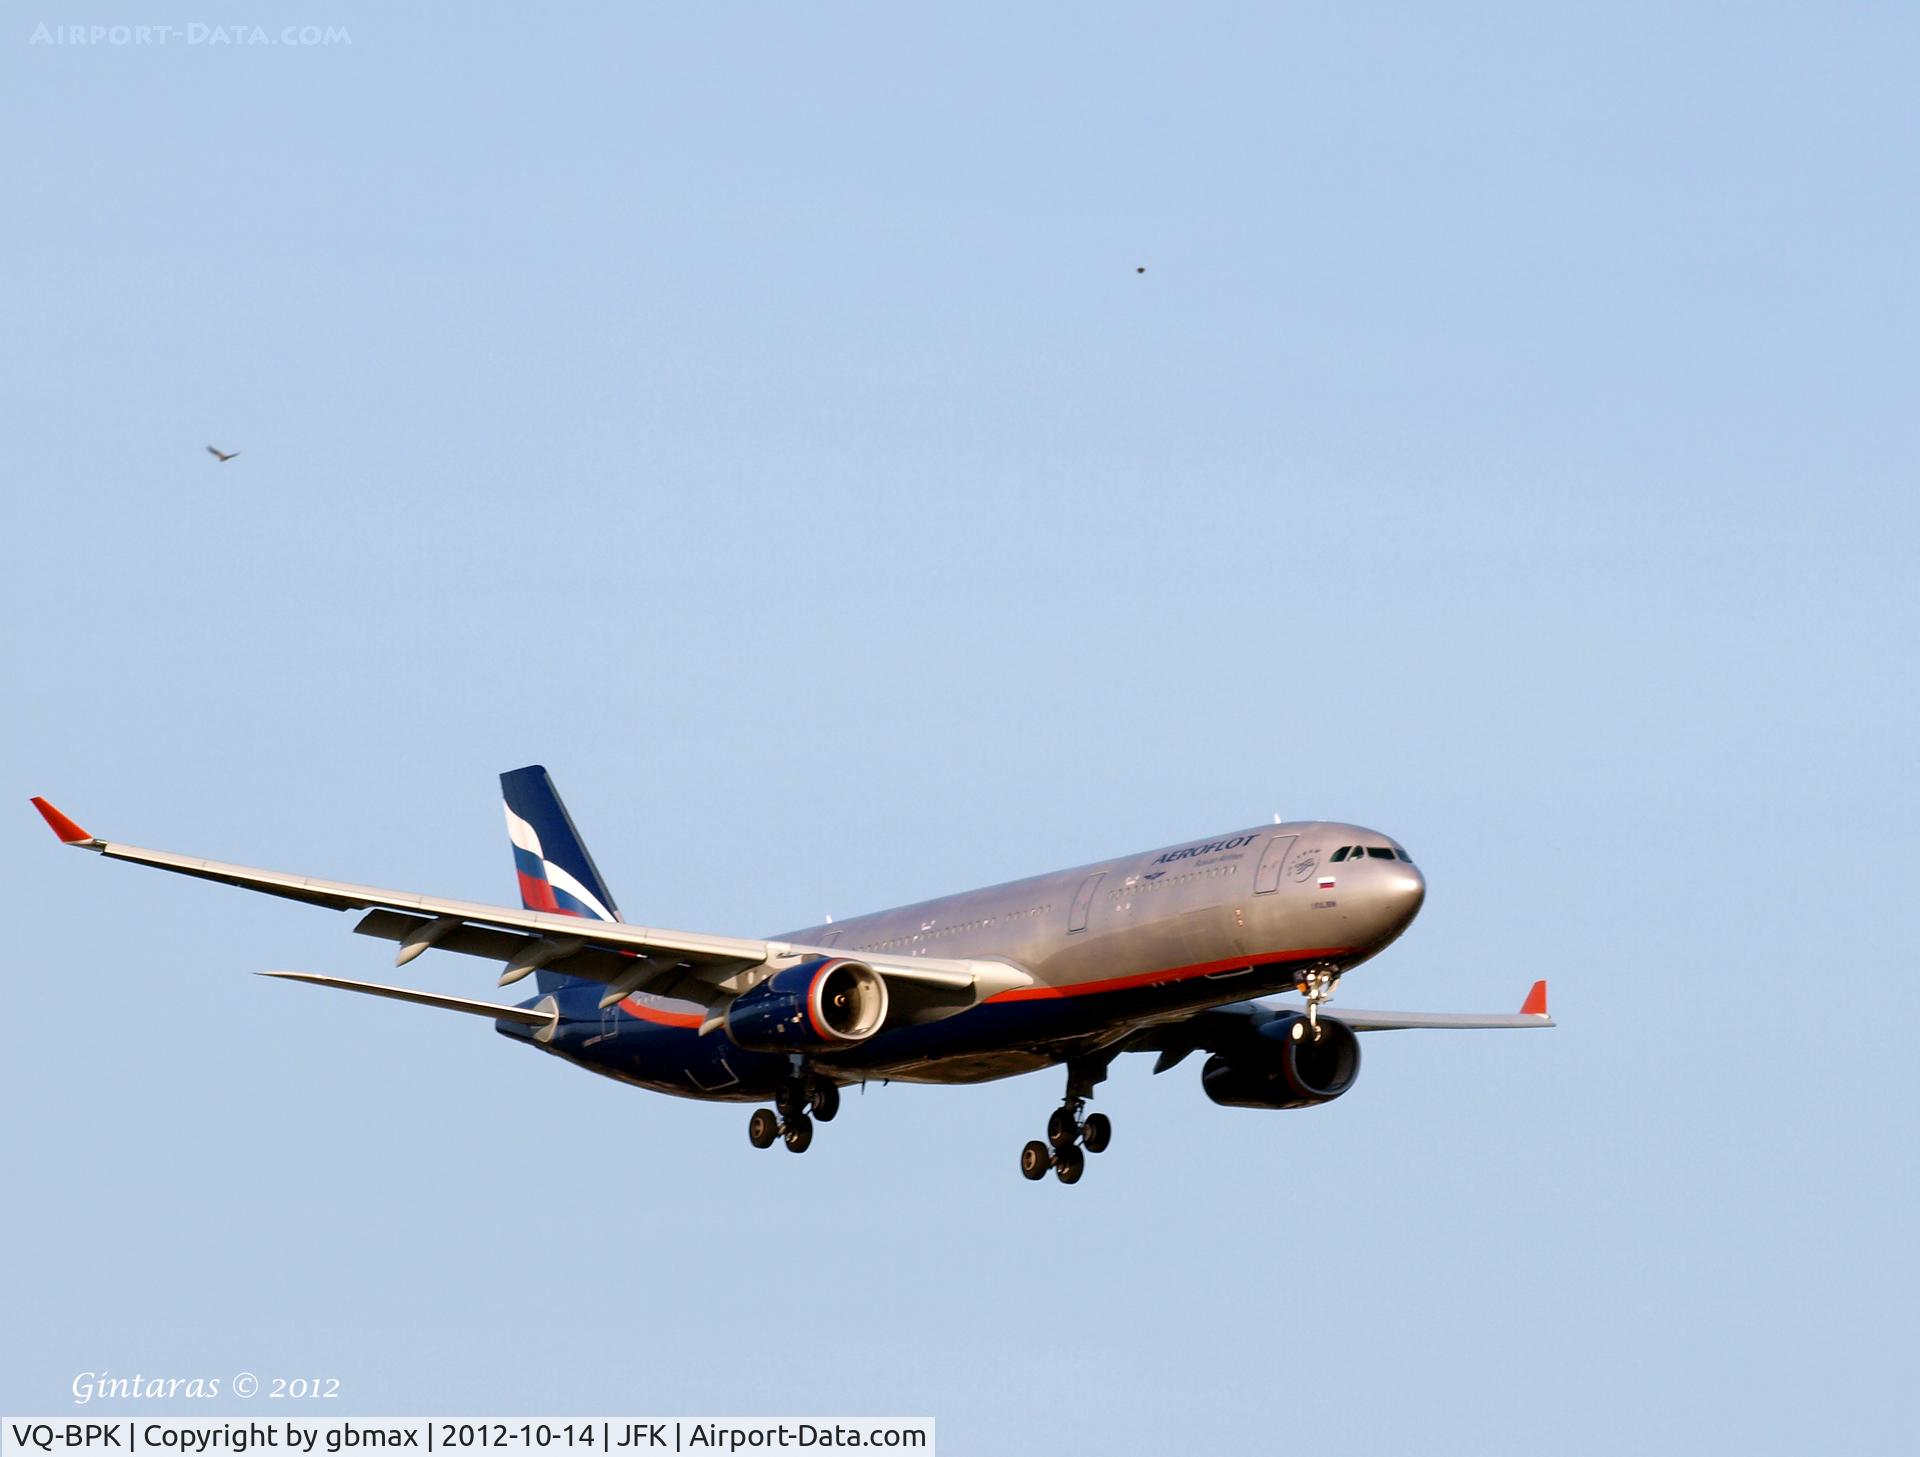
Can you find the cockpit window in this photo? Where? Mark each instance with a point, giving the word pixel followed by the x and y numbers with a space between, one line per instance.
pixel 1370 852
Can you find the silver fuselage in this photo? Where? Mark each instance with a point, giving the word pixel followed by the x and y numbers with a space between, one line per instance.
pixel 1119 944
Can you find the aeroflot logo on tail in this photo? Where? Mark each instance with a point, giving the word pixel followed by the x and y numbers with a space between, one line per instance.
pixel 1212 847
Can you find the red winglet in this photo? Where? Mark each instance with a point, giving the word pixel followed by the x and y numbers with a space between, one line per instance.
pixel 1536 1003
pixel 66 829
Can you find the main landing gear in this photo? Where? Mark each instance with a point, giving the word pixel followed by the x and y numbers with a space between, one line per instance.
pixel 1069 1138
pixel 787 1120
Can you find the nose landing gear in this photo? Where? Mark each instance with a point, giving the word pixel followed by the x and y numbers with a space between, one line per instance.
pixel 1317 986
pixel 788 1121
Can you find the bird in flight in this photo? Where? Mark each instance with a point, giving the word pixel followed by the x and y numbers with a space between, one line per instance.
pixel 221 455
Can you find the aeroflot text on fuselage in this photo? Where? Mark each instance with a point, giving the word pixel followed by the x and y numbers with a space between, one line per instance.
pixel 1212 847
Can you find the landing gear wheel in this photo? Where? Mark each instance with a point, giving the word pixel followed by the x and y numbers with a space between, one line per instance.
pixel 1062 1130
pixel 1097 1132
pixel 1069 1164
pixel 1035 1159
pixel 763 1128
pixel 798 1133
pixel 825 1099
pixel 789 1101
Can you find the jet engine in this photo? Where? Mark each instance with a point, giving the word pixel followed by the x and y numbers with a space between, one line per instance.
pixel 1284 1066
pixel 815 1005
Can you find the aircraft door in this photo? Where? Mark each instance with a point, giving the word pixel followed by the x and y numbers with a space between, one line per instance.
pixel 1083 902
pixel 1266 879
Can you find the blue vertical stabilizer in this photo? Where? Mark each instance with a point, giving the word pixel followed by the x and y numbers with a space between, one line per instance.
pixel 555 871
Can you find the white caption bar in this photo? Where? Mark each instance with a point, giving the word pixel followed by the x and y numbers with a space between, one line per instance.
pixel 458 1436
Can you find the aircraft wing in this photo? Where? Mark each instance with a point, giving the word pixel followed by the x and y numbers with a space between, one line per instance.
pixel 1218 1028
pixel 1532 1013
pixel 709 970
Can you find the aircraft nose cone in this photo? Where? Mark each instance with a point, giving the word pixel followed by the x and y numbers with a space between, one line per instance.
pixel 1408 889
pixel 1401 893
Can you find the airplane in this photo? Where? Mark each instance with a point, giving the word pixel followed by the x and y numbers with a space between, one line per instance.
pixel 1163 951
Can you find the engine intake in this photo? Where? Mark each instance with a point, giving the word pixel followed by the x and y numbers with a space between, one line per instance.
pixel 817 1004
pixel 1282 1067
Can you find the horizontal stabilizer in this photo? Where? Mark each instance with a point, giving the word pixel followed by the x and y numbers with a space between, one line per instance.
pixel 542 1016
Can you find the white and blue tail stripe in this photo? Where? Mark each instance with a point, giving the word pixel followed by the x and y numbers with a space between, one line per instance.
pixel 555 871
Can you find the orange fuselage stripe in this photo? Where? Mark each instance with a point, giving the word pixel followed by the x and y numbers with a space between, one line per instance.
pixel 1169 974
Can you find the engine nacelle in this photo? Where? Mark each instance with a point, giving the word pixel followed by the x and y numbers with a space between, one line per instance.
pixel 817 1004
pixel 1282 1067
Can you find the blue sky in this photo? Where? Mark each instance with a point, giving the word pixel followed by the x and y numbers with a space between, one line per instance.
pixel 754 413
